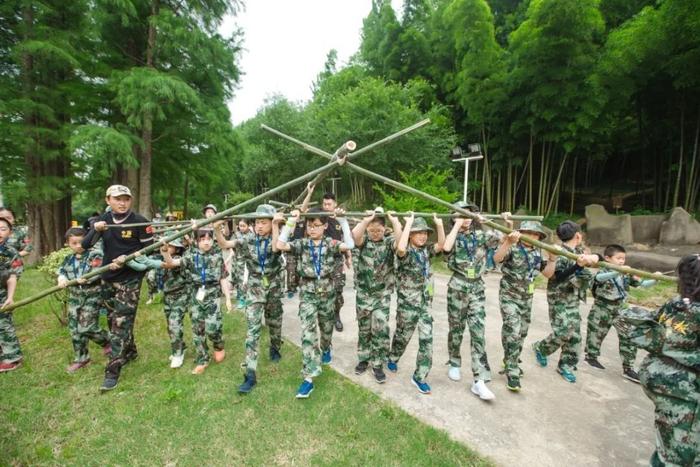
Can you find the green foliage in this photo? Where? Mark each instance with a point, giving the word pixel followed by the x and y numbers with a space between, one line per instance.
pixel 57 302
pixel 429 180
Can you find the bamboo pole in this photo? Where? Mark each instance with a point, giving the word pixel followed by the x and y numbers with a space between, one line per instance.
pixel 178 234
pixel 285 186
pixel 493 225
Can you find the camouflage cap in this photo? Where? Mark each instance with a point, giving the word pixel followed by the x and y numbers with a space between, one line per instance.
pixel 264 211
pixel 533 226
pixel 209 206
pixel 420 225
pixel 468 205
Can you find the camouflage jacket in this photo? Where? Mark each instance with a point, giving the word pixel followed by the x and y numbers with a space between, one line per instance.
pixel 176 279
pixel 521 265
pixel 613 289
pixel 468 255
pixel 374 265
pixel 569 280
pixel 413 270
pixel 256 252
pixel 204 268
pixel 10 263
pixel 73 267
pixel 19 240
pixel 680 340
pixel 312 280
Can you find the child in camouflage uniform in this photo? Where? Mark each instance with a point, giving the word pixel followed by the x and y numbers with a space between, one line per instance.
pixel 610 294
pixel 520 264
pixel 19 240
pixel 415 294
pixel 206 268
pixel 467 249
pixel 564 290
pixel 238 264
pixel 265 287
pixel 177 291
pixel 10 270
pixel 84 299
pixel 374 270
pixel 315 256
pixel 670 373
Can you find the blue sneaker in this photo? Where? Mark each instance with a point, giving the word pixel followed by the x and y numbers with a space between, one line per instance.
pixel 290 294
pixel 422 386
pixel 567 375
pixel 275 355
pixel 305 389
pixel 541 358
pixel 326 358
pixel 392 366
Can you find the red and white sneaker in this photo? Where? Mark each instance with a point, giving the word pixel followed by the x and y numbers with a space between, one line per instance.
pixel 9 366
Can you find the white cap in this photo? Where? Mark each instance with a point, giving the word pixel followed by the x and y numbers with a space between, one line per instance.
pixel 118 190
pixel 379 210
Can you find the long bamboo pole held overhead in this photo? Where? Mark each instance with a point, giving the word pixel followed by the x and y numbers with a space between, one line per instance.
pixel 256 199
pixel 493 225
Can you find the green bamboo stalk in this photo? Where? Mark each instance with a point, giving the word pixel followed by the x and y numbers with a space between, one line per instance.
pixel 493 225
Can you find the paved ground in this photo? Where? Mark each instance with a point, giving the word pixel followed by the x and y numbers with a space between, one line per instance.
pixel 602 420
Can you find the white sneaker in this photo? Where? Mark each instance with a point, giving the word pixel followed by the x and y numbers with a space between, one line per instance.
pixel 177 360
pixel 454 374
pixel 479 388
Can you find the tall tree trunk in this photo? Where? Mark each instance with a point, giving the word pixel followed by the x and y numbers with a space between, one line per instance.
pixel 677 189
pixel 186 196
pixel 573 188
pixel 556 185
pixel 529 179
pixel 691 189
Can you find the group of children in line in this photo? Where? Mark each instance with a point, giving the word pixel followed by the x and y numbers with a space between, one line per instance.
pixel 194 279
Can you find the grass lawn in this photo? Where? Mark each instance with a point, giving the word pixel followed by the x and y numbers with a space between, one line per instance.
pixel 160 416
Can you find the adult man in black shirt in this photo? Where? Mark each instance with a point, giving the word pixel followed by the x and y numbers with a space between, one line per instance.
pixel 121 286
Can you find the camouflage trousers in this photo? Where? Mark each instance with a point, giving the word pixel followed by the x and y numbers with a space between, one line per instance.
pixel 373 327
pixel 175 306
pixel 674 390
pixel 121 301
pixel 207 323
pixel 265 302
pixel 84 321
pixel 413 311
pixel 237 276
pixel 600 320
pixel 516 310
pixel 154 280
pixel 316 313
pixel 339 282
pixel 565 318
pixel 466 303
pixel 292 276
pixel 9 344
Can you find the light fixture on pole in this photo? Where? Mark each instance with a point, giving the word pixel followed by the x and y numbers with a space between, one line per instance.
pixel 458 155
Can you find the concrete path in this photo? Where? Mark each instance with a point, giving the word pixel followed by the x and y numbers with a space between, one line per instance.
pixel 602 420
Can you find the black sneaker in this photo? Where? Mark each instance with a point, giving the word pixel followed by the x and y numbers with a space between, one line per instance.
pixel 275 355
pixel 338 324
pixel 379 375
pixel 631 375
pixel 108 384
pixel 513 383
pixel 592 361
pixel 248 383
pixel 361 368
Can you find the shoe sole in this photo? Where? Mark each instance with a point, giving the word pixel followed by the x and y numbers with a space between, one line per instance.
pixel 380 381
pixel 565 378
pixel 601 367
pixel 104 389
pixel 6 370
pixel 361 372
pixel 454 379
pixel 304 396
pixel 534 349
pixel 628 378
pixel 419 389
pixel 476 393
pixel 513 388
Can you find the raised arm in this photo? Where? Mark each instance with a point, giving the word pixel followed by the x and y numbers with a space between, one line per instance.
pixel 396 226
pixel 307 199
pixel 283 239
pixel 276 221
pixel 220 239
pixel 510 240
pixel 549 269
pixel 402 246
pixel 452 236
pixel 440 233
pixel 169 261
pixel 348 242
pixel 358 233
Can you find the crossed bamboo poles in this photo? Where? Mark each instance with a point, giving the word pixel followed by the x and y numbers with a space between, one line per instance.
pixel 342 156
